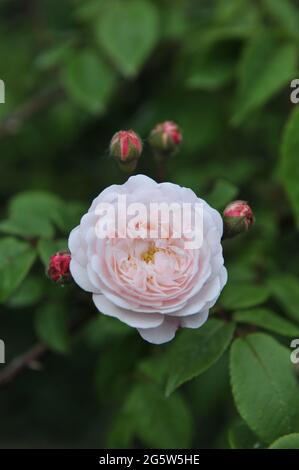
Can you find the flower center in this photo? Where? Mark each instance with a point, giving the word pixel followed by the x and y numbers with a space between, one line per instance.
pixel 149 255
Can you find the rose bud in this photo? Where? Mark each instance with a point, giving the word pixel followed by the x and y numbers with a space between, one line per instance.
pixel 166 138
pixel 59 267
pixel 237 218
pixel 126 148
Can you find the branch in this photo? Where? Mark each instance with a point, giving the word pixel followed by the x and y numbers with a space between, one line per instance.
pixel 14 121
pixel 28 359
pixel 20 363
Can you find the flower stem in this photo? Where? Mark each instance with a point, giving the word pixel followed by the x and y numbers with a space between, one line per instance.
pixel 160 166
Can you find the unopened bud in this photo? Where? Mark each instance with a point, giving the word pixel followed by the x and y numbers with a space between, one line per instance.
pixel 238 218
pixel 126 148
pixel 59 268
pixel 166 138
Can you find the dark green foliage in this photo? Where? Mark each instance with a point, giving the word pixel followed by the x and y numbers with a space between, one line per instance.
pixel 76 71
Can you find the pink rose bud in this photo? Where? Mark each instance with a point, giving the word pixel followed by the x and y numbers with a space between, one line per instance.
pixel 126 148
pixel 59 267
pixel 237 217
pixel 166 138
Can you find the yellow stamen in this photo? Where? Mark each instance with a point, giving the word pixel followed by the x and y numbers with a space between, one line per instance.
pixel 148 256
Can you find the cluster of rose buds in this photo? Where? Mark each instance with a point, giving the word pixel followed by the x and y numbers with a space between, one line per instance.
pixel 126 146
pixel 59 268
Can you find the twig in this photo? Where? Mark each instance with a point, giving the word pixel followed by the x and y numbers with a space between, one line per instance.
pixel 14 121
pixel 33 355
pixel 20 363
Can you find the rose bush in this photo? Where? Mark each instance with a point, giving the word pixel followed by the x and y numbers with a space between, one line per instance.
pixel 156 285
pixel 78 71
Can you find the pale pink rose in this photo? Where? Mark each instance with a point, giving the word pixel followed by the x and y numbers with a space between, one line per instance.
pixel 154 285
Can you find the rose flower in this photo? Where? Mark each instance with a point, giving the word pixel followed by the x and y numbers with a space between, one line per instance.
pixel 154 284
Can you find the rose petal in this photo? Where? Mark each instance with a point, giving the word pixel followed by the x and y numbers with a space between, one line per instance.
pixel 163 333
pixel 136 320
pixel 195 321
pixel 80 276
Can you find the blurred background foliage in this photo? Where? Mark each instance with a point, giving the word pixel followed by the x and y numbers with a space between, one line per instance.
pixel 75 72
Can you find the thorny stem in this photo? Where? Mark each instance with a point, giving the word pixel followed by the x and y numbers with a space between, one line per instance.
pixel 30 358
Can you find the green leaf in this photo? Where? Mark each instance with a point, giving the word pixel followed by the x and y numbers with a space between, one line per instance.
pixel 114 371
pixel 266 319
pixel 288 170
pixel 210 75
pixel 121 434
pixel 32 214
pixel 104 329
pixel 155 367
pixel 209 68
pixel 128 31
pixel 239 14
pixel 158 421
pixel 267 65
pixel 222 193
pixel 174 20
pixel 194 351
pixel 16 259
pixel 210 390
pixel 264 386
pixel 88 80
pixel 38 203
pixel 241 437
pixel 239 295
pixel 52 327
pixel 285 14
pixel 55 55
pixel 71 213
pixel 291 441
pixel 35 213
pixel 47 248
pixel 285 289
pixel 27 225
pixel 29 293
pixel 88 11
